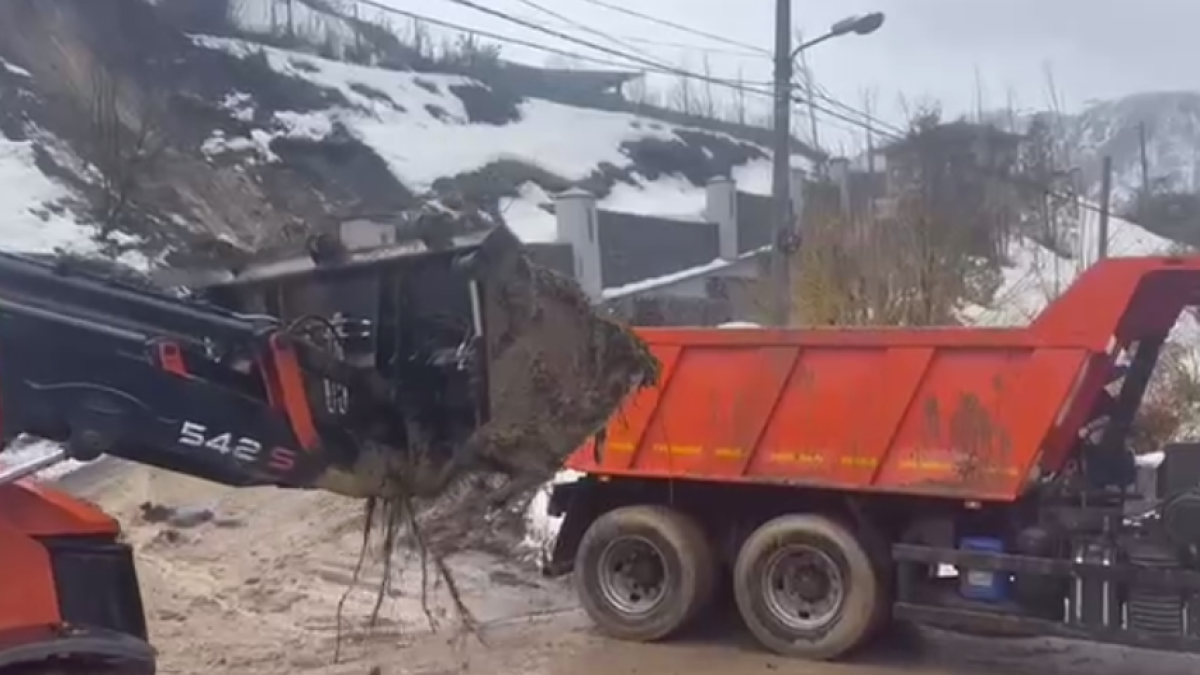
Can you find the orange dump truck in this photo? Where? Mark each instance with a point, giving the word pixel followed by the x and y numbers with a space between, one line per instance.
pixel 832 478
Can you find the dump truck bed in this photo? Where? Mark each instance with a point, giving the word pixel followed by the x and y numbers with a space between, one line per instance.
pixel 969 413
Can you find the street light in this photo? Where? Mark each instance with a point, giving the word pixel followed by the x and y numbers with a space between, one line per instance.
pixel 781 207
pixel 859 24
pixel 864 24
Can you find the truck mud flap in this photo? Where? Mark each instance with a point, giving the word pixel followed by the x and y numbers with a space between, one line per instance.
pixel 576 503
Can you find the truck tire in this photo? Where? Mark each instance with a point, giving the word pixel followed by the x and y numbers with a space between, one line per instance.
pixel 644 572
pixel 806 587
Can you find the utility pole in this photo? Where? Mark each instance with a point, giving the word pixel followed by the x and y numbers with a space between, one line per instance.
pixel 810 93
pixel 1105 206
pixel 1145 160
pixel 783 214
pixel 358 47
pixel 781 199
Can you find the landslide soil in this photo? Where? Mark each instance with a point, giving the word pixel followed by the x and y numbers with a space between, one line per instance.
pixel 250 581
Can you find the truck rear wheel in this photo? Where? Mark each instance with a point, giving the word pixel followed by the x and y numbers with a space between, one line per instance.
pixel 805 587
pixel 643 572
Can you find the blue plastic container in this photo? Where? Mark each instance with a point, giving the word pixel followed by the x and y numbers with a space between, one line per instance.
pixel 979 584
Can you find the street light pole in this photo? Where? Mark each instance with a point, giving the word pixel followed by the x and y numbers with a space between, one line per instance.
pixel 782 215
pixel 781 199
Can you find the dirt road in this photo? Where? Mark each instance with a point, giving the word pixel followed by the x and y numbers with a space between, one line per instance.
pixel 251 581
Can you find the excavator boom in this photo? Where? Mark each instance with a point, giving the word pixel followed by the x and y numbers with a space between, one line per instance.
pixel 389 372
pixel 110 369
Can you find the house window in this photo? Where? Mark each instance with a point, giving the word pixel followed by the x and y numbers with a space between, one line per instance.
pixel 591 225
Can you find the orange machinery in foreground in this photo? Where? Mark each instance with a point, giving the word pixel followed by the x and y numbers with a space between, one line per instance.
pixel 827 475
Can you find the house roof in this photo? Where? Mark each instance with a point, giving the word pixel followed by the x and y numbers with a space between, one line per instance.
pixel 657 283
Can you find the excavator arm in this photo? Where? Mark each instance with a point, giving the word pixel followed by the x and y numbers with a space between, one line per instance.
pixel 107 369
pixel 318 372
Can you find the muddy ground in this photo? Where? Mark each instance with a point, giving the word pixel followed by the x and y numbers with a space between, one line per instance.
pixel 250 581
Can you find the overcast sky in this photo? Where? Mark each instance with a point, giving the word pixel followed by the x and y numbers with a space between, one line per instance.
pixel 932 49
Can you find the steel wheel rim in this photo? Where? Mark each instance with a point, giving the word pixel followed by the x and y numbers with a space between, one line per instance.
pixel 633 575
pixel 804 588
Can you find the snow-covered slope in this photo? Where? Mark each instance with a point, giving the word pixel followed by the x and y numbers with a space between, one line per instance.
pixel 33 213
pixel 1037 274
pixel 1172 128
pixel 423 126
pixel 33 216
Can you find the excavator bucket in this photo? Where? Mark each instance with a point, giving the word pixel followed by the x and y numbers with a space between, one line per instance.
pixel 456 358
pixel 556 369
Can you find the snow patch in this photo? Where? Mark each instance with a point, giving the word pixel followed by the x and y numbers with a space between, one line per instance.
pixel 28 450
pixel 670 197
pixel 15 69
pixel 665 280
pixel 33 215
pixel 525 216
pixel 676 277
pixel 257 146
pixel 1036 274
pixel 541 528
pixel 1150 460
pixel 753 177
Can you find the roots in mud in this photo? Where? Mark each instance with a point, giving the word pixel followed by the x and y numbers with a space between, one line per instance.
pixel 556 370
pixel 383 522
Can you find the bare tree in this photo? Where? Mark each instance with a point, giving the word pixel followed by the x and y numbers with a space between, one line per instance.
pixel 637 91
pixel 420 41
pixel 935 249
pixel 980 96
pixel 869 95
pixel 707 103
pixel 291 20
pixel 915 270
pixel 124 143
pixel 683 95
pixel 739 101
pixel 1011 118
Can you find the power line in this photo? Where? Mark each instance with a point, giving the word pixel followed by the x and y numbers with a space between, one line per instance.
pixel 677 26
pixel 647 62
pixel 506 39
pixel 652 65
pixel 876 124
pixel 735 53
pixel 743 52
pixel 587 29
